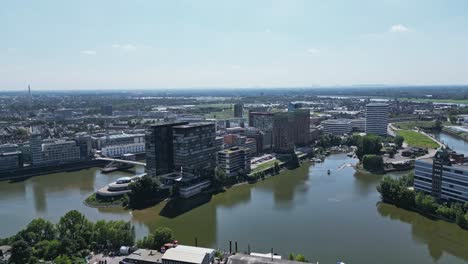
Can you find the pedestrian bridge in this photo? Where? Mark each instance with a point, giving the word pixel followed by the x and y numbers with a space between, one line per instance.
pixel 122 161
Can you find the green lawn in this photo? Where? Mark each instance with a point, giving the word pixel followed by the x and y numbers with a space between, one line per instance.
pixel 409 125
pixel 416 139
pixel 265 165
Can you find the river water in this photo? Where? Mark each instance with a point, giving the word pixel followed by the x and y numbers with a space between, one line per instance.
pixel 325 217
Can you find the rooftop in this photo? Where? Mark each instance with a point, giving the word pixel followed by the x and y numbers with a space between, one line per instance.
pixel 377 104
pixel 192 125
pixel 248 259
pixel 187 254
pixel 151 256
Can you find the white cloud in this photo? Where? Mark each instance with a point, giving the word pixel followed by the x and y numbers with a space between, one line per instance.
pixel 88 52
pixel 125 47
pixel 313 51
pixel 399 28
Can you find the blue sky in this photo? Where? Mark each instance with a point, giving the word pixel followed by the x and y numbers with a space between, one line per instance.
pixel 181 44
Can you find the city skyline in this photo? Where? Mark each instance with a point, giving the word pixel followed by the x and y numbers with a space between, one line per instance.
pixel 183 44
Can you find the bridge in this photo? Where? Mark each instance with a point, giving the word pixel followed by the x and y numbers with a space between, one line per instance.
pixel 122 161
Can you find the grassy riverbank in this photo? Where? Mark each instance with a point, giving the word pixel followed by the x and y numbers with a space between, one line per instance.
pixel 415 139
pixel 95 202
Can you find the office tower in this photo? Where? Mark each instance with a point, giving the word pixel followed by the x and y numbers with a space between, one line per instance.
pixel 84 142
pixel 377 119
pixel 36 149
pixel 238 110
pixel 107 110
pixel 301 126
pixel 234 161
pixel 159 148
pixel 261 120
pixel 195 148
pixel 283 132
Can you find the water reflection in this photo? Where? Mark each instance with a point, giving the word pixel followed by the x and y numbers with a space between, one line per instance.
pixel 286 187
pixel 439 236
pixel 177 207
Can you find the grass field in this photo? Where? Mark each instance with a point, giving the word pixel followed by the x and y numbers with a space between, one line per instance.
pixel 415 139
pixel 409 125
pixel 265 165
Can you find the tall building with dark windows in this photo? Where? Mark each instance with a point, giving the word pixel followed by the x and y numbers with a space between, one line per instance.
pixel 238 110
pixel 159 148
pixel 106 110
pixel 377 119
pixel 301 126
pixel 195 148
pixel 290 129
pixel 283 132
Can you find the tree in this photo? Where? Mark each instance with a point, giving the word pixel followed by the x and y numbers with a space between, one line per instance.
pixel 113 234
pixel 145 191
pixel 300 258
pixel 47 250
pixel 220 176
pixel 157 238
pixel 438 125
pixel 369 144
pixel 453 119
pixel 62 260
pixel 462 220
pixel 38 230
pixel 373 163
pixel 291 256
pixel 399 141
pixel 294 161
pixel 276 168
pixel 21 252
pixel 75 230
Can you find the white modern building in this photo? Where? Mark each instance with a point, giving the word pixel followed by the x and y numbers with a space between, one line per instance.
pixel 444 179
pixel 120 150
pixel 358 124
pixel 53 151
pixel 337 127
pixel 377 118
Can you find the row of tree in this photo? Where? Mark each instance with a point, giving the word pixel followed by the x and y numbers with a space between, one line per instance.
pixel 68 241
pixel 396 191
pixel 145 192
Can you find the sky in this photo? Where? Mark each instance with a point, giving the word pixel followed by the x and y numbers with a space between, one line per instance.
pixel 111 44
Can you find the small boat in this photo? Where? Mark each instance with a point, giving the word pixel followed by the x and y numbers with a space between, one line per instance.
pixel 328 172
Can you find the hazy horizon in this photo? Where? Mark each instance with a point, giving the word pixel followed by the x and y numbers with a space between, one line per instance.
pixel 114 45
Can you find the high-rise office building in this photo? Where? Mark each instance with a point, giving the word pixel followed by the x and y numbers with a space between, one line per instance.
pixel 289 129
pixel 301 126
pixel 377 118
pixel 107 110
pixel 283 132
pixel 238 110
pixel 195 148
pixel 261 120
pixel 159 148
